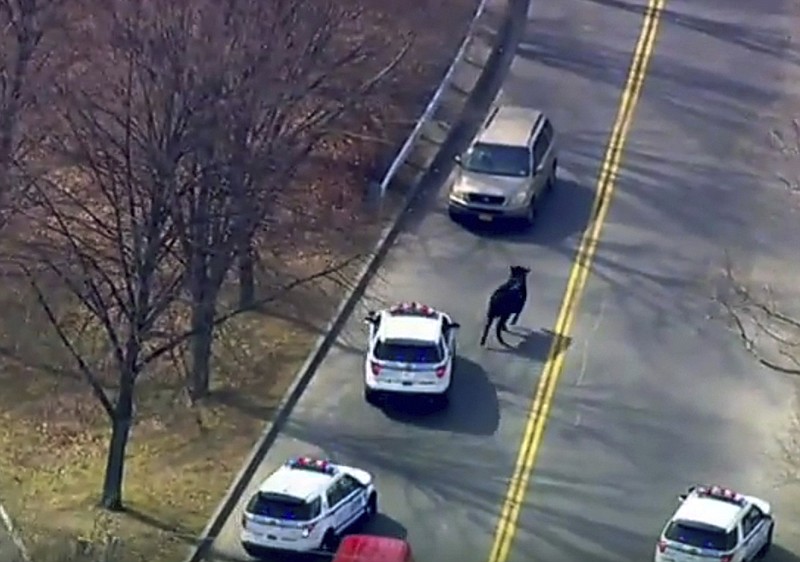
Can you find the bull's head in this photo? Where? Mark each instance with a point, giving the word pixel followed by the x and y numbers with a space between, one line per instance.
pixel 519 272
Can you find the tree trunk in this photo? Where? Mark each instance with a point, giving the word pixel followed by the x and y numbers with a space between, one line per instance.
pixel 247 278
pixel 201 344
pixel 120 432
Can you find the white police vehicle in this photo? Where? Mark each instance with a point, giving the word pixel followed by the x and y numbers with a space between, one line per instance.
pixel 305 506
pixel 412 350
pixel 716 524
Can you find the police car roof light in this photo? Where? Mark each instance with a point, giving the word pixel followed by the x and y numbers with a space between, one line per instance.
pixel 720 492
pixel 412 308
pixel 308 463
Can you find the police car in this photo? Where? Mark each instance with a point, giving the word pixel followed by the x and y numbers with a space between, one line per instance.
pixel 716 524
pixel 412 350
pixel 305 506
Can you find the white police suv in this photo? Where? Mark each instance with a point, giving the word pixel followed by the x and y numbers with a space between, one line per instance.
pixel 412 350
pixel 716 524
pixel 306 505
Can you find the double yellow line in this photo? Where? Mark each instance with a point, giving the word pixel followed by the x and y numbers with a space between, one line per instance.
pixel 554 365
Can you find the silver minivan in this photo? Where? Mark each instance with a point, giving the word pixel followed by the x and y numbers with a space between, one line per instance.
pixel 507 168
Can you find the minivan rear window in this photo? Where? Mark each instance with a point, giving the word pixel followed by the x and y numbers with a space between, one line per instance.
pixel 701 537
pixel 283 507
pixel 498 160
pixel 403 352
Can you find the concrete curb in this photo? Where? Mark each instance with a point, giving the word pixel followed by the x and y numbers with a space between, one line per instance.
pixel 503 43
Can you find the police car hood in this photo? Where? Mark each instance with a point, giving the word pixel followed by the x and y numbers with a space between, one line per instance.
pixel 502 186
pixel 361 475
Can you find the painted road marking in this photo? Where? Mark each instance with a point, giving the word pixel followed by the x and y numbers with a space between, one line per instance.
pixel 554 365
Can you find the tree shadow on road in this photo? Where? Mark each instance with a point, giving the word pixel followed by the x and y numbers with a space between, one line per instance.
pixel 779 553
pixel 748 35
pixel 562 213
pixel 384 526
pixel 473 409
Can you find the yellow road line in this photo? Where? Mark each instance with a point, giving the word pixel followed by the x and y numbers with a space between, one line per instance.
pixel 554 365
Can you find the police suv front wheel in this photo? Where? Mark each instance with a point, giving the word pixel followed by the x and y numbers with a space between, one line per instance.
pixel 765 549
pixel 330 542
pixel 371 509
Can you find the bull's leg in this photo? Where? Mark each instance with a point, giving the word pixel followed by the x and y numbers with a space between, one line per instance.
pixel 486 328
pixel 502 327
pixel 521 306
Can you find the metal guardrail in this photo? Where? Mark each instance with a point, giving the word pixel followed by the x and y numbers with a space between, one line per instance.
pixel 433 104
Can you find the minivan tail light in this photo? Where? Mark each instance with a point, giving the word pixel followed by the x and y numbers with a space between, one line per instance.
pixel 726 558
pixel 662 546
pixel 376 368
pixel 440 372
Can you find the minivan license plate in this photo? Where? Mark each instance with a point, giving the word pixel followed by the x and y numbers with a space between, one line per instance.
pixel 484 217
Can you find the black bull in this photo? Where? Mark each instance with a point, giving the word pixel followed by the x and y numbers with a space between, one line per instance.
pixel 506 302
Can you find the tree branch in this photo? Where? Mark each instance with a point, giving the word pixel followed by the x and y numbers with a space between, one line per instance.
pixel 274 296
pixel 761 313
pixel 88 374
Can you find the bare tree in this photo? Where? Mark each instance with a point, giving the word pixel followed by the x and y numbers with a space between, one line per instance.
pixel 766 327
pixel 24 59
pixel 275 100
pixel 106 233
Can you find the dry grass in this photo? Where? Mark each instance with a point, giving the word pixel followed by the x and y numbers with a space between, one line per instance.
pixel 181 458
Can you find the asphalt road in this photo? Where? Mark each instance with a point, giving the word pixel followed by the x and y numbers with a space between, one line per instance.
pixel 655 395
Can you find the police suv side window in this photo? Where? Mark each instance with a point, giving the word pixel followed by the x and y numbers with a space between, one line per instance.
pixel 315 508
pixel 539 149
pixel 335 494
pixel 547 131
pixel 350 484
pixel 751 520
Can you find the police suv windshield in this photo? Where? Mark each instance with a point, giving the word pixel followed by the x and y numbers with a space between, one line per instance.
pixel 407 352
pixel 498 160
pixel 283 507
pixel 712 538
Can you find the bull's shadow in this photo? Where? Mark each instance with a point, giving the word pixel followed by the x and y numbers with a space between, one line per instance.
pixel 530 344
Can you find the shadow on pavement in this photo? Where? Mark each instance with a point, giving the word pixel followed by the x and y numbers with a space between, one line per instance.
pixel 439 467
pixel 576 55
pixel 534 345
pixel 780 553
pixel 580 536
pixel 474 407
pixel 562 213
pixel 384 526
pixel 761 40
